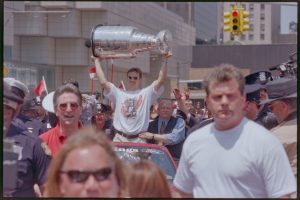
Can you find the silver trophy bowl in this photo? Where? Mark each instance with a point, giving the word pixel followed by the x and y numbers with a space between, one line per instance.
pixel 111 42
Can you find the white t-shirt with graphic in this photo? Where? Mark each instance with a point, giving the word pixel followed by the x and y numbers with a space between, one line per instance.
pixel 132 108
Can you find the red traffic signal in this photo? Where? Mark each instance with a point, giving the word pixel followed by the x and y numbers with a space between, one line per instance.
pixel 235 21
pixel 235 13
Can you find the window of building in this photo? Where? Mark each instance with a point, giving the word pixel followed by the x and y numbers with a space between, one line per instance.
pixel 251 15
pixel 244 6
pixel 251 27
pixel 262 36
pixel 243 37
pixel 7 52
pixel 262 27
pixel 251 6
pixel 195 86
pixel 251 36
pixel 262 16
pixel 262 6
pixel 31 74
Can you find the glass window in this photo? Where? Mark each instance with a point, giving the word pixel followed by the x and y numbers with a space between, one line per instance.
pixel 262 16
pixel 251 6
pixel 7 53
pixel 243 37
pixel 31 74
pixel 262 36
pixel 262 6
pixel 251 27
pixel 262 27
pixel 251 37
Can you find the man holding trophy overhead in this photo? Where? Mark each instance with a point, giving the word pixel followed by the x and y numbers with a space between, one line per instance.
pixel 132 107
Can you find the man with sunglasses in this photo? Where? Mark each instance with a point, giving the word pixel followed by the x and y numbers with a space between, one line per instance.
pixel 67 101
pixel 259 113
pixel 283 103
pixel 132 107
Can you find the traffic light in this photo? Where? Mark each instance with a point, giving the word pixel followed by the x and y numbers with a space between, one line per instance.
pixel 235 21
pixel 227 21
pixel 244 20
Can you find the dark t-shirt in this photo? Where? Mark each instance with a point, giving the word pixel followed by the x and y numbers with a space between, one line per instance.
pixel 34 159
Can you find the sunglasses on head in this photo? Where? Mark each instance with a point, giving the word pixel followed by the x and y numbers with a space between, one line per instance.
pixel 64 106
pixel 133 77
pixel 77 176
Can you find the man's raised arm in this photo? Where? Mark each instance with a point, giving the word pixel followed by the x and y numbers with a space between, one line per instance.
pixel 102 79
pixel 163 71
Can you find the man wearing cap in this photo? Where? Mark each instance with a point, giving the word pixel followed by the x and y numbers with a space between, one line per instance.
pixel 132 107
pixel 11 106
pixel 28 116
pixel 258 113
pixel 33 154
pixel 283 103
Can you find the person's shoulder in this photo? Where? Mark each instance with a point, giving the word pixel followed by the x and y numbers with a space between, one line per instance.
pixel 200 133
pixel 154 121
pixel 200 125
pixel 259 133
pixel 179 119
pixel 32 137
pixel 252 125
pixel 48 133
pixel 152 85
pixel 23 118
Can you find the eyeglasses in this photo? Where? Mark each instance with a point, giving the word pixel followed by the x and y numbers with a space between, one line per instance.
pixel 77 176
pixel 133 77
pixel 272 104
pixel 63 106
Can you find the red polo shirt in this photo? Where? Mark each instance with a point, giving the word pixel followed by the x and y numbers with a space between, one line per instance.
pixel 54 138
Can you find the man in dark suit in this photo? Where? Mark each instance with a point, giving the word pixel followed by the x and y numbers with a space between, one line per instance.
pixel 166 129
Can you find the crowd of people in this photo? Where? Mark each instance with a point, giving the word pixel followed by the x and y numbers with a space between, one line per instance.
pixel 245 145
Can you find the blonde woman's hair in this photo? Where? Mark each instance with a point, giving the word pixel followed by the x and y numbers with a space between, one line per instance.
pixel 87 136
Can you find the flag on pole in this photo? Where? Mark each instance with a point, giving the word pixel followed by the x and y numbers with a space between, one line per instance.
pixel 92 72
pixel 122 86
pixel 41 87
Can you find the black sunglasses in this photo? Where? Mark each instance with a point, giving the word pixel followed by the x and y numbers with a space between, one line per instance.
pixel 77 176
pixel 132 77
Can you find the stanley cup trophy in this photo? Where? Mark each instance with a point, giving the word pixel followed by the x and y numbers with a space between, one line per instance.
pixel 111 42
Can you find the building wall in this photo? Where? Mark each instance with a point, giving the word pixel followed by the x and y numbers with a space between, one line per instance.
pixel 278 38
pixel 206 20
pixel 56 40
pixel 253 57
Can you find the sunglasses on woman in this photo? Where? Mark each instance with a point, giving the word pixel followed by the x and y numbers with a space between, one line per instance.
pixel 77 176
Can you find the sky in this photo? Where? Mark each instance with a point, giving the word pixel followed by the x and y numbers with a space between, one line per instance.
pixel 288 14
